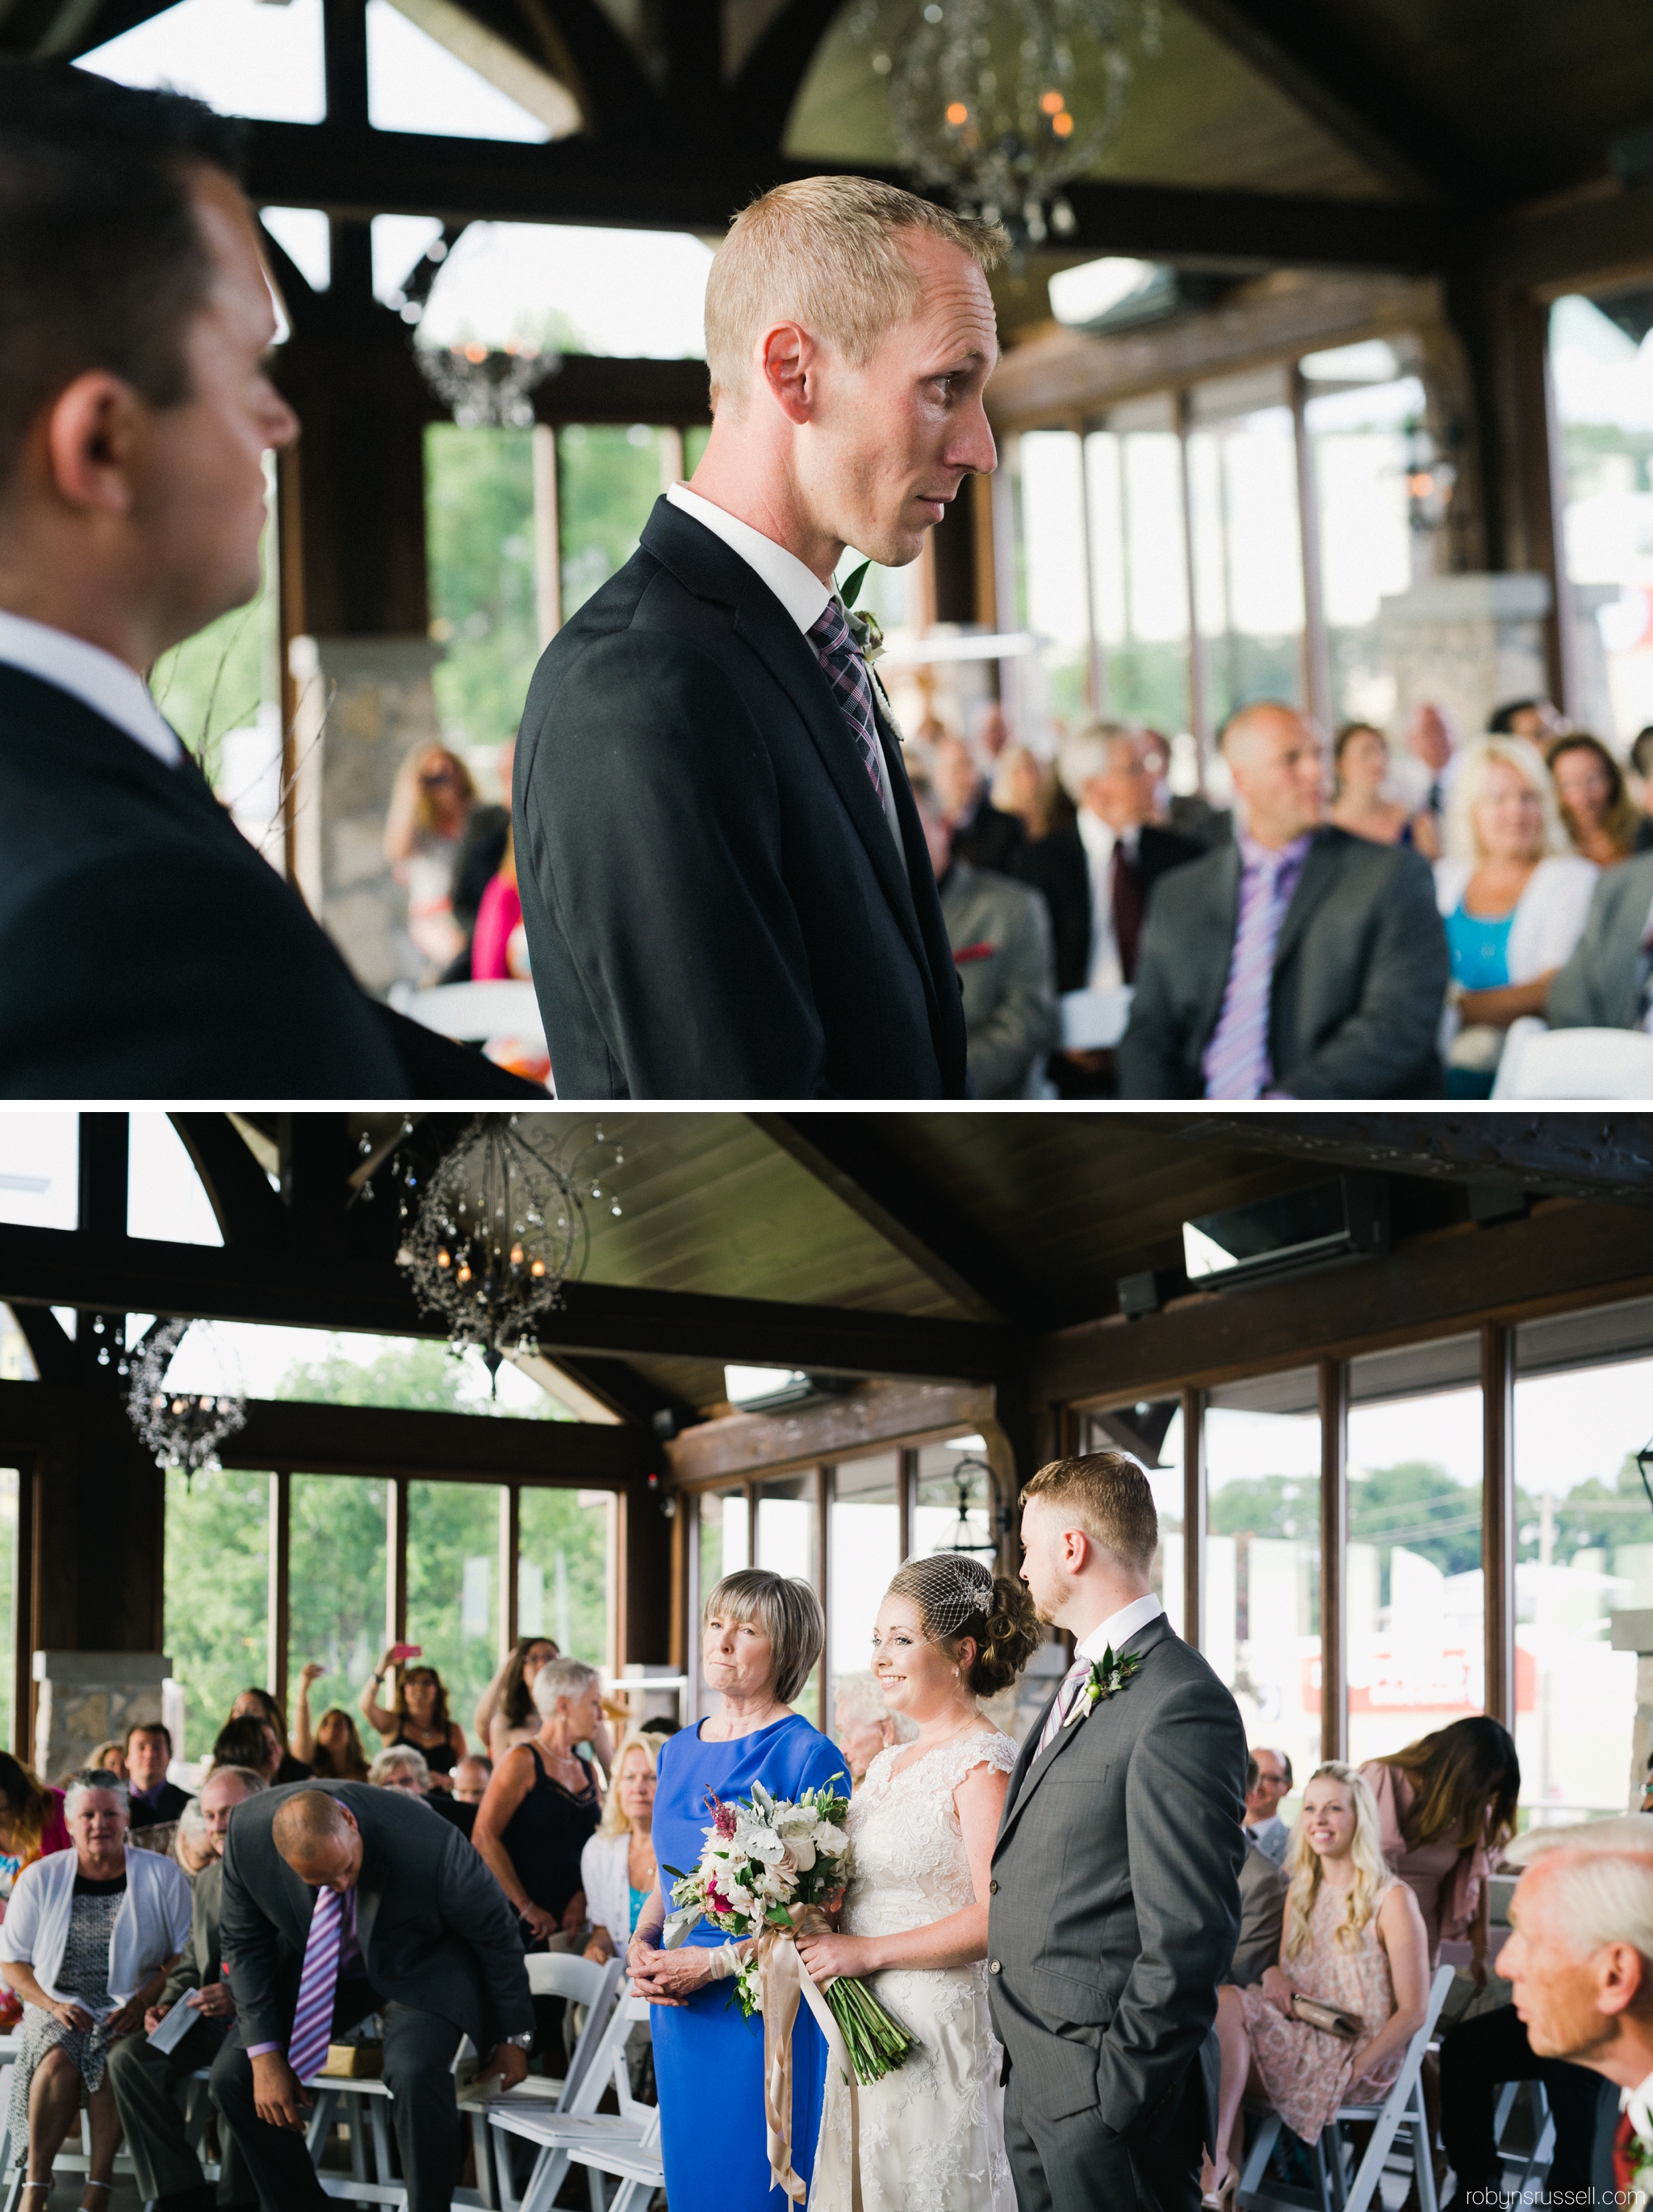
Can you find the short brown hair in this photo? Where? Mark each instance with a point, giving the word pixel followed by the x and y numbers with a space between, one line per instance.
pixel 826 252
pixel 786 1609
pixel 1108 1495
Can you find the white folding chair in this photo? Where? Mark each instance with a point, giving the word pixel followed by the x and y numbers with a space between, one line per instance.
pixel 1539 1062
pixel 362 2102
pixel 633 2160
pixel 1533 2167
pixel 551 2131
pixel 473 1012
pixel 1402 2113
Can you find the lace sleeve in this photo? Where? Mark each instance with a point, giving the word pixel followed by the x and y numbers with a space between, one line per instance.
pixel 997 1752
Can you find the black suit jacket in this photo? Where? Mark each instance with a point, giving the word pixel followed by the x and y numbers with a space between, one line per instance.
pixel 1058 866
pixel 169 1805
pixel 1360 974
pixel 715 905
pixel 435 1930
pixel 990 840
pixel 147 950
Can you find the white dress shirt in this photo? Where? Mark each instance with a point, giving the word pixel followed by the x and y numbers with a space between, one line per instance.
pixel 93 676
pixel 1639 2103
pixel 1119 1627
pixel 1106 971
pixel 799 589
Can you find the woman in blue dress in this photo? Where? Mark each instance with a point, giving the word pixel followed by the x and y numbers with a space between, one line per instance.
pixel 762 1635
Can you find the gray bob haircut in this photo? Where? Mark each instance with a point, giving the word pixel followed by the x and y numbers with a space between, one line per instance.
pixel 96 1778
pixel 787 1610
pixel 561 1678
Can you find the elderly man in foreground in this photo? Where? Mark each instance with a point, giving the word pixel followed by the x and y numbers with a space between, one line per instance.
pixel 342 1902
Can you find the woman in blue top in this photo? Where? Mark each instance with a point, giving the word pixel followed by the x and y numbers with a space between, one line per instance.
pixel 762 1635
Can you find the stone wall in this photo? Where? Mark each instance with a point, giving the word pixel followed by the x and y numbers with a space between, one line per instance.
pixel 84 1697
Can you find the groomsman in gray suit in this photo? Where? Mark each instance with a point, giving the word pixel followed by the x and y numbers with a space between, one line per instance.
pixel 1115 1901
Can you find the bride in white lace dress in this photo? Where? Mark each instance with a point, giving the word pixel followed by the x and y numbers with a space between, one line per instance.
pixel 915 1918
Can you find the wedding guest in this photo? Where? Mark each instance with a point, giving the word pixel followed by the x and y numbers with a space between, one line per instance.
pixel 147 2082
pixel 1026 787
pixel 1361 769
pixel 1446 1807
pixel 470 1779
pixel 505 1714
pixel 332 1749
pixel 1535 719
pixel 89 1938
pixel 482 849
pixel 260 1704
pixel 1432 741
pixel 431 799
pixel 136 408
pixel 982 835
pixel 249 1742
pixel 31 1823
pixel 543 1803
pixel 1263 1886
pixel 753 916
pixel 992 734
pixel 192 1846
pixel 498 949
pixel 1608 983
pixel 864 1723
pixel 617 1869
pixel 1600 817
pixel 1354 1938
pixel 417 1716
pixel 1639 778
pixel 1514 901
pixel 401 1767
pixel 1268 1782
pixel 1298 962
pixel 111 1756
pixel 762 1637
pixel 153 1800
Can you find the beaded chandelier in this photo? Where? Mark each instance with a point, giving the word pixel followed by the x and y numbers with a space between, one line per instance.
pixel 180 1428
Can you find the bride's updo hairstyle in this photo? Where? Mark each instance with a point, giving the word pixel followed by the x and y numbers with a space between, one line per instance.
pixel 958 1597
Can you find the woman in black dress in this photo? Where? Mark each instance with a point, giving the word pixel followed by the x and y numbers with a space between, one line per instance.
pixel 543 1803
pixel 417 1718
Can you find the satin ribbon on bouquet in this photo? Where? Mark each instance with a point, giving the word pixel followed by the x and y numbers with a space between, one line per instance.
pixel 783 1978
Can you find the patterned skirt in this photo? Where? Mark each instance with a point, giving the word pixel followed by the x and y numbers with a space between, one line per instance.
pixel 84 1976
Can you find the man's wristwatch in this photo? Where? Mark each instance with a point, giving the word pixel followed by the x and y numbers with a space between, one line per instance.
pixel 520 2042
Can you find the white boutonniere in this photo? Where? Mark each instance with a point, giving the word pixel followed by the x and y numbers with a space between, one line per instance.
pixel 1107 1677
pixel 865 633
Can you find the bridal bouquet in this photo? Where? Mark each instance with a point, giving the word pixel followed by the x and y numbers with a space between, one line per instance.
pixel 768 1866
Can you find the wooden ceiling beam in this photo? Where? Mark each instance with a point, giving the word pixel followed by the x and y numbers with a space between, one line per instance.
pixel 847 1427
pixel 246 1209
pixel 338 1290
pixel 770 78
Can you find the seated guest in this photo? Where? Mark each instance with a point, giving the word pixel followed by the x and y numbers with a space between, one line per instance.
pixel 1263 1886
pixel 543 1803
pixel 1000 936
pixel 1638 780
pixel 1446 1807
pixel 1268 1782
pixel 864 1724
pixel 470 1779
pixel 191 1844
pixel 1608 983
pixel 135 320
pixel 1298 962
pixel 31 1823
pixel 1361 768
pixel 1026 786
pixel 1514 900
pixel 616 1865
pixel 111 1755
pixel 89 1939
pixel 1354 1938
pixel 249 1742
pixel 1431 741
pixel 416 1717
pixel 1601 819
pixel 980 834
pixel 401 1767
pixel 260 1704
pixel 1535 719
pixel 333 1746
pixel 341 1902
pixel 481 849
pixel 659 1727
pixel 149 1754
pixel 146 2081
pixel 499 950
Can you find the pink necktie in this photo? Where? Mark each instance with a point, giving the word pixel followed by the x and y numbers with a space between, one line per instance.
pixel 313 2017
pixel 1064 1704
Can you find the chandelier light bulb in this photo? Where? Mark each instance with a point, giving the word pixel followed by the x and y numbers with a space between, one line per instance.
pixel 537 1269
pixel 444 1257
pixel 516 1255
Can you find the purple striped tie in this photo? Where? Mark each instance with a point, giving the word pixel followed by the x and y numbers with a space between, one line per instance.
pixel 1058 1714
pixel 1237 1058
pixel 852 687
pixel 312 2020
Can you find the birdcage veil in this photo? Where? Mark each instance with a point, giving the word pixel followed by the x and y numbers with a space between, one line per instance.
pixel 949 1588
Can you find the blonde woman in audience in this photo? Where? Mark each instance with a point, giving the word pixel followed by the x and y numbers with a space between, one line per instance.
pixel 1354 1939
pixel 111 1756
pixel 430 803
pixel 616 1865
pixel 1026 786
pixel 1514 900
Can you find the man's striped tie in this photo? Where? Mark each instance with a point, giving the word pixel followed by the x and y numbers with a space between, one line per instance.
pixel 312 2019
pixel 1064 1704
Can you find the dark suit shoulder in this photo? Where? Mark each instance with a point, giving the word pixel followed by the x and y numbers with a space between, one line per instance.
pixel 1161 850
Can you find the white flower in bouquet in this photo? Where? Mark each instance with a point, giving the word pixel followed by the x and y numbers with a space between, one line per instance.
pixel 800 1852
pixel 830 1843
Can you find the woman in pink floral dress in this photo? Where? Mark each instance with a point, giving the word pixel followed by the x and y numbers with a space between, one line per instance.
pixel 1354 1938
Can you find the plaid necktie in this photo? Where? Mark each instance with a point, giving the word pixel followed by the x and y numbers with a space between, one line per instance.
pixel 313 2016
pixel 852 687
pixel 1057 1716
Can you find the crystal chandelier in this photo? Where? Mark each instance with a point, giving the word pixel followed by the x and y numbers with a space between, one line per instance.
pixel 501 1224
pixel 487 387
pixel 1002 103
pixel 180 1428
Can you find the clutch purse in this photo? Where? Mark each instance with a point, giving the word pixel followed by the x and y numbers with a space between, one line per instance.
pixel 1329 2018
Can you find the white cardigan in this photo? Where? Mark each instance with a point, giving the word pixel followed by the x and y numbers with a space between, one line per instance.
pixel 152 1926
pixel 605 1871
pixel 1550 914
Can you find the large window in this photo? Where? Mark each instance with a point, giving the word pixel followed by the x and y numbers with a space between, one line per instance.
pixel 1247 549
pixel 479 531
pixel 953 1508
pixel 1139 564
pixel 566 1570
pixel 1262 1557
pixel 1413 1606
pixel 453 1546
pixel 720 1544
pixel 608 480
pixel 1151 1432
pixel 786 1513
pixel 337 1605
pixel 864 1551
pixel 216 1600
pixel 1052 594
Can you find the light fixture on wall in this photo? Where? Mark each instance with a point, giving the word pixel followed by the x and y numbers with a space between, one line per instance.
pixel 964 1474
pixel 501 1224
pixel 1003 103
pixel 181 1428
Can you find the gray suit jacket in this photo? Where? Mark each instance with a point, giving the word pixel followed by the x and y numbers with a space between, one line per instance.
pixel 1114 1903
pixel 1360 973
pixel 203 1956
pixel 435 1930
pixel 1262 1916
pixel 1601 986
pixel 999 932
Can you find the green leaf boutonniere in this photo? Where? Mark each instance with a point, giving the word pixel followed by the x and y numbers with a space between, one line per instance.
pixel 864 630
pixel 1107 1676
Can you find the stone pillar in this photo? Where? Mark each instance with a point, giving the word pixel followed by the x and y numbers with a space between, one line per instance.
pixel 1466 643
pixel 1633 1631
pixel 379 706
pixel 83 1698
